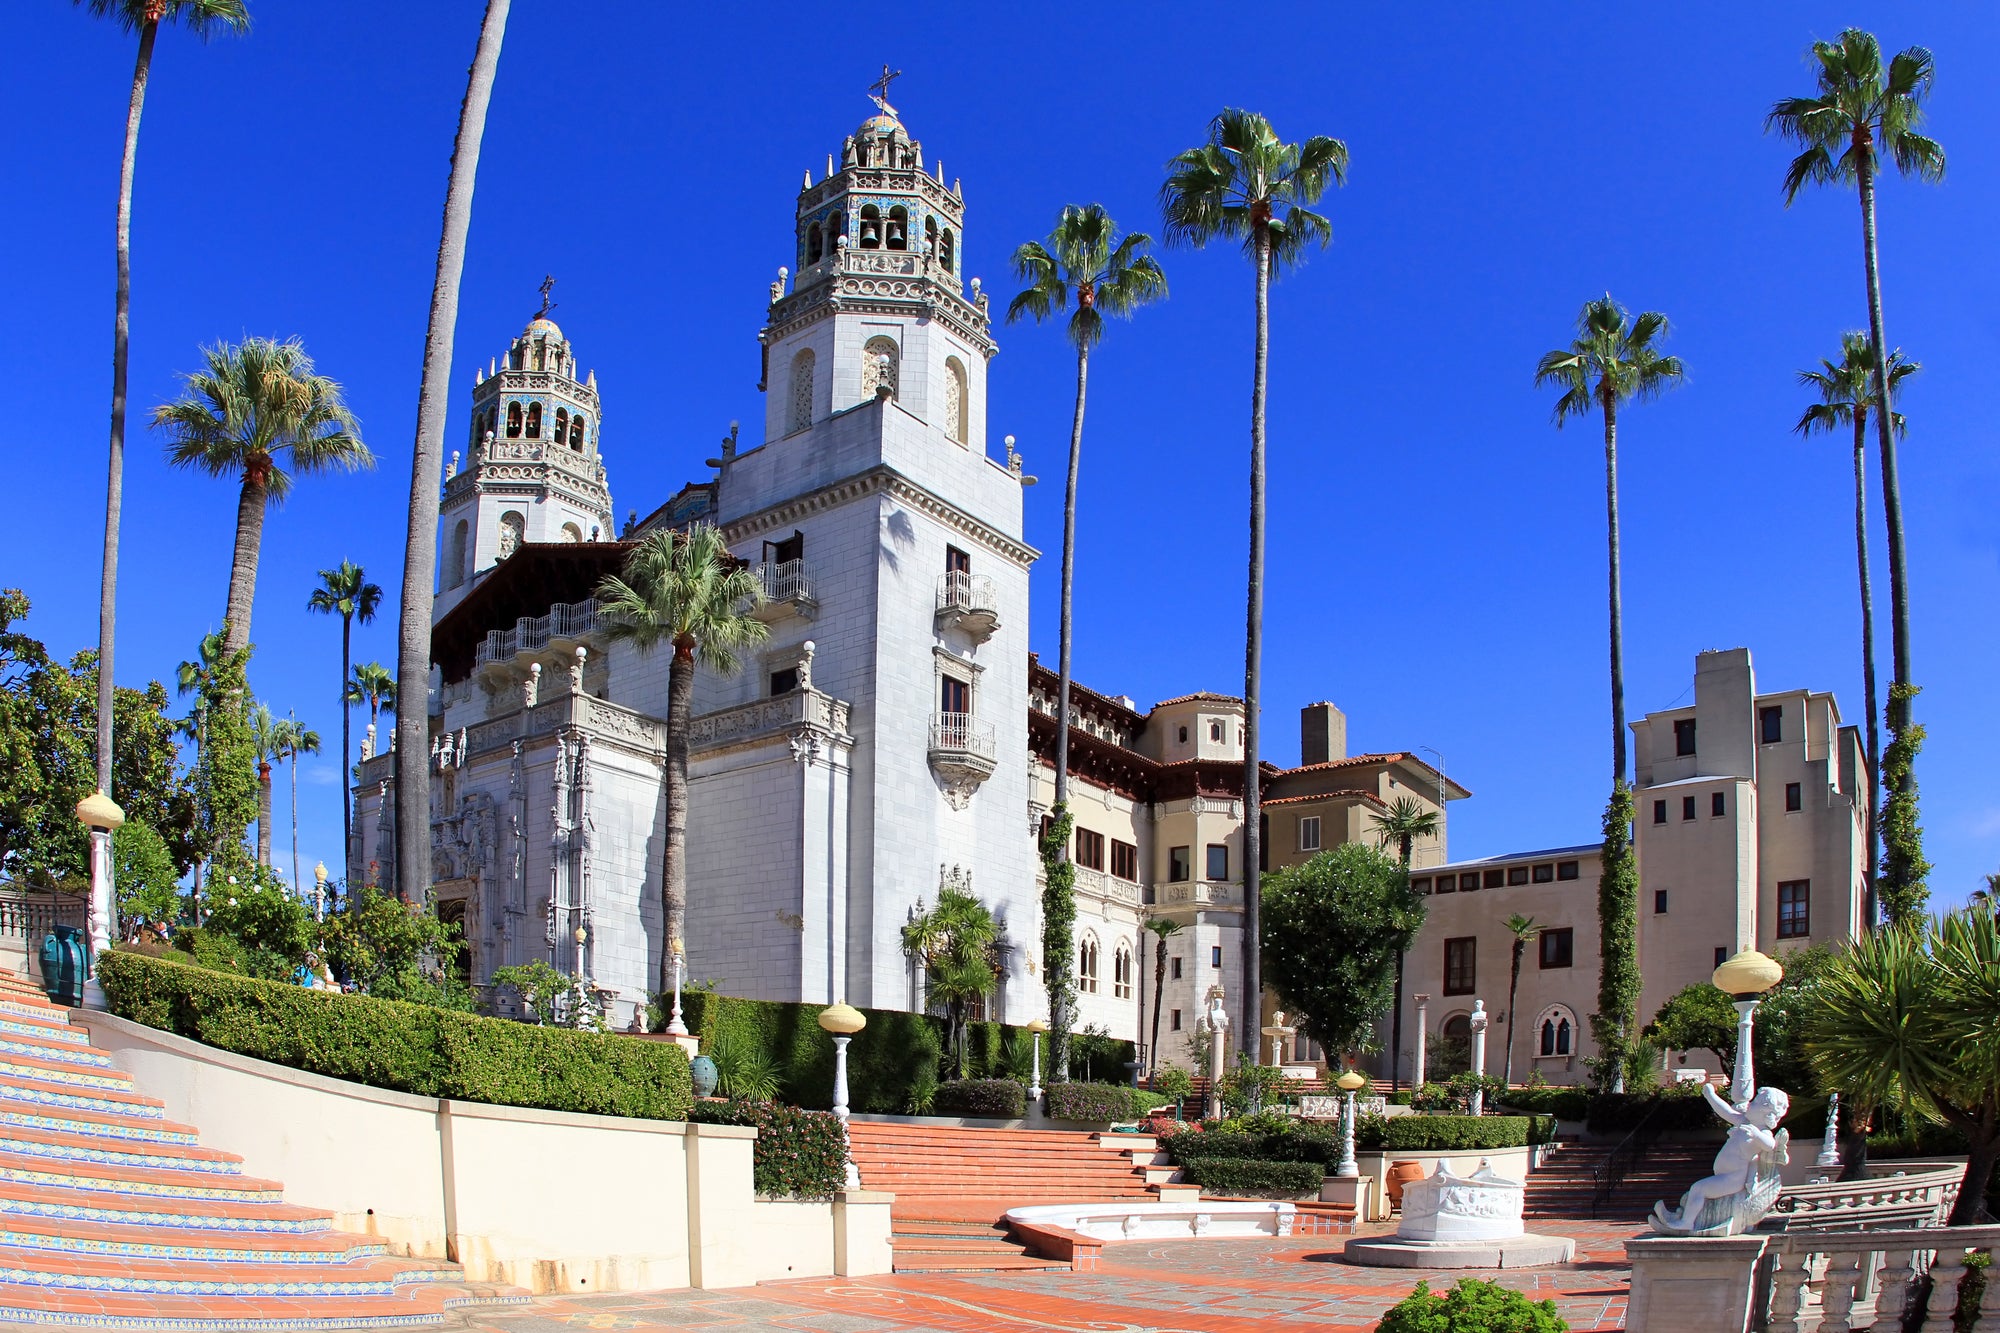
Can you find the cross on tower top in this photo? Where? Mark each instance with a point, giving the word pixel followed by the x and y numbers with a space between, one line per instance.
pixel 878 91
pixel 548 286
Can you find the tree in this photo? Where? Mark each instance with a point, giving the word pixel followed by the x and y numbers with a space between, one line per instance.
pixel 142 867
pixel 295 738
pixel 1059 932
pixel 1614 359
pixel 1846 394
pixel 958 945
pixel 1163 930
pixel 370 683
pixel 1332 929
pixel 1525 930
pixel 687 591
pixel 1859 113
pixel 347 593
pixel 1905 1017
pixel 1111 276
pixel 1699 1017
pixel 225 776
pixel 264 738
pixel 1245 183
pixel 394 950
pixel 413 633
pixel 1402 824
pixel 202 17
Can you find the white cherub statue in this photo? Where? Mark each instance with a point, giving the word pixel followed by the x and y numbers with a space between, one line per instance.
pixel 1744 1169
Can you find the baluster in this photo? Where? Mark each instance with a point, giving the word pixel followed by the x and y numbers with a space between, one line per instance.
pixel 1790 1270
pixel 1987 1316
pixel 1897 1273
pixel 1947 1271
pixel 1838 1290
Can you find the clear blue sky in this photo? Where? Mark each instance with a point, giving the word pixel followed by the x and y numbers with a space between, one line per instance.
pixel 1436 545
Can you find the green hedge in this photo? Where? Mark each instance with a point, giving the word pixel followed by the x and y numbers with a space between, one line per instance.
pixel 1622 1112
pixel 403 1047
pixel 1101 1103
pixel 1251 1175
pixel 982 1099
pixel 1452 1133
pixel 1562 1103
pixel 799 1154
pixel 1279 1139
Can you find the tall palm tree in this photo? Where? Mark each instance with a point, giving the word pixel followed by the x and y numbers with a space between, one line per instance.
pixel 203 18
pixel 198 677
pixel 1859 114
pixel 687 591
pixel 1110 276
pixel 1164 930
pixel 1406 820
pixel 347 593
pixel 257 409
pixel 1245 183
pixel 1846 392
pixel 371 683
pixel 413 633
pixel 1614 359
pixel 295 738
pixel 1524 929
pixel 265 737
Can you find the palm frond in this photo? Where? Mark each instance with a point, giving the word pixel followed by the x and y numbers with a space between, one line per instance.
pixel 685 589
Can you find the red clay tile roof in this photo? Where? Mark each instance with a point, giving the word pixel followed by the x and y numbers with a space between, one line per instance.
pixel 1199 694
pixel 1388 758
pixel 1340 794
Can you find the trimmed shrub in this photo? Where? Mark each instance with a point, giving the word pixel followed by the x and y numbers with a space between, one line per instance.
pixel 982 1099
pixel 403 1047
pixel 1622 1112
pixel 799 1154
pixel 1101 1103
pixel 1562 1103
pixel 1272 1138
pixel 1251 1175
pixel 1472 1306
pixel 1448 1133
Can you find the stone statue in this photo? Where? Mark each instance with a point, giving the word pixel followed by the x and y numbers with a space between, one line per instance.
pixel 1745 1183
pixel 806 651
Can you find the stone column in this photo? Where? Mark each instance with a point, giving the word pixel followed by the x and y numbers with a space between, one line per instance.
pixel 1423 1034
pixel 1681 1282
pixel 1478 1023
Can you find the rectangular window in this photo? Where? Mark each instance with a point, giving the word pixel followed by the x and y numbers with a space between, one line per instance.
pixel 1659 902
pixel 1718 804
pixel 790 549
pixel 1460 972
pixel 1422 884
pixel 1545 873
pixel 1447 884
pixel 1218 861
pixel 1124 860
pixel 1659 812
pixel 1493 879
pixel 1558 948
pixel 954 695
pixel 1174 967
pixel 1089 849
pixel 1566 870
pixel 1684 736
pixel 1178 868
pixel 1309 833
pixel 784 682
pixel 1215 955
pixel 1687 807
pixel 1517 874
pixel 1721 955
pixel 956 561
pixel 1263 842
pixel 1175 1019
pixel 1794 797
pixel 1771 724
pixel 1795 909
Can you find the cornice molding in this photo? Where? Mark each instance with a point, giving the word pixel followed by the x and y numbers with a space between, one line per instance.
pixel 878 480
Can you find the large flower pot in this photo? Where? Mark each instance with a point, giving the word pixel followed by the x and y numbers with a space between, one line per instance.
pixel 702 1070
pixel 1399 1175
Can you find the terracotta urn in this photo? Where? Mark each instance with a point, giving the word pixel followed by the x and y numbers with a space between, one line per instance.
pixel 1399 1175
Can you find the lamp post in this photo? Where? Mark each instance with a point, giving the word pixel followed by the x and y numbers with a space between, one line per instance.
pixel 843 1020
pixel 1423 1034
pixel 1036 1027
pixel 319 892
pixel 1478 1023
pixel 1745 978
pixel 1350 1083
pixel 100 814
pixel 676 1026
pixel 1829 1148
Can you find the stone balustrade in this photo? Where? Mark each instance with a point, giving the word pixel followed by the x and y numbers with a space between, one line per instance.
pixel 1894 1194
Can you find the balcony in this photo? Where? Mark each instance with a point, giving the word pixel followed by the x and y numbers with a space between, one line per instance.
pixel 788 591
pixel 967 602
pixel 963 754
pixel 567 625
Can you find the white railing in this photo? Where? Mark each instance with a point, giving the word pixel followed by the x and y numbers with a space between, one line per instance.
pixel 962 733
pixel 1870 1279
pixel 789 581
pixel 966 594
pixel 1896 1194
pixel 33 916
pixel 565 620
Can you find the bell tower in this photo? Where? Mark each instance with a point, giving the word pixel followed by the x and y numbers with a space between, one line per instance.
pixel 533 472
pixel 879 302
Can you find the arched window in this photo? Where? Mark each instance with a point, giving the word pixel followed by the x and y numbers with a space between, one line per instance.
pixel 454 564
pixel 871 227
pixel 513 421
pixel 930 235
pixel 572 533
pixel 1558 1031
pixel 1121 973
pixel 899 228
pixel 576 432
pixel 802 391
pixel 1086 965
pixel 1215 731
pixel 815 244
pixel 945 250
pixel 562 425
pixel 955 413
pixel 879 357
pixel 512 529
pixel 836 227
pixel 534 421
pixel 1451 1049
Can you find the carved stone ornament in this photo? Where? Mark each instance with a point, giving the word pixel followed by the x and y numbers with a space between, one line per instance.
pixel 1445 1206
pixel 805 744
pixel 1745 1183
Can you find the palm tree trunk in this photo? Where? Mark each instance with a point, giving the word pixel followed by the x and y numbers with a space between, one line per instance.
pixel 250 508
pixel 294 766
pixel 1253 663
pixel 413 634
pixel 1867 656
pixel 1984 1152
pixel 1513 987
pixel 673 852
pixel 346 749
pixel 263 812
pixel 114 473
pixel 1058 965
pixel 1617 602
pixel 1405 843
pixel 1885 439
pixel 1159 993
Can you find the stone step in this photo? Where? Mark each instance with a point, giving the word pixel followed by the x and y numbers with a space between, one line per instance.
pixel 142 1181
pixel 374 1275
pixel 423 1304
pixel 112 1126
pixel 17 1090
pixel 185 1244
pixel 17 1197
pixel 54 1143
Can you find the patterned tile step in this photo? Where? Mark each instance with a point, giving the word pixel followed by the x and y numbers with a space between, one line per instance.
pixel 19 1027
pixel 150 1182
pixel 420 1306
pixel 200 1214
pixel 376 1275
pixel 186 1244
pixel 33 1011
pixel 66 1067
pixel 108 1125
pixel 33 1141
pixel 16 1089
pixel 52 1054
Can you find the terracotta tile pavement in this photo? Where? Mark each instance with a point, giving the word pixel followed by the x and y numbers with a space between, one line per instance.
pixel 1143 1287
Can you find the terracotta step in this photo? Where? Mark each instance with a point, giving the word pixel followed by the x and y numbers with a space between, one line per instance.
pixel 948 1263
pixel 52 1143
pixel 375 1275
pixel 18 1090
pixel 939 1226
pixel 17 1197
pixel 186 1244
pixel 111 1126
pixel 423 1303
pixel 19 1027
pixel 146 1181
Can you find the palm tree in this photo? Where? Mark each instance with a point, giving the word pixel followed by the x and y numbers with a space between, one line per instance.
pixel 264 736
pixel 1614 359
pixel 1406 820
pixel 1846 393
pixel 202 17
pixel 257 408
pixel 295 738
pixel 1523 929
pixel 687 591
pixel 959 946
pixel 1165 930
pixel 1111 277
pixel 1246 183
pixel 198 677
pixel 369 683
pixel 347 593
pixel 413 634
pixel 1859 114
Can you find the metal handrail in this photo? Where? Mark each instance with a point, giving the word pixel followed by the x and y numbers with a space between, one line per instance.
pixel 963 732
pixel 1610 1174
pixel 786 581
pixel 963 592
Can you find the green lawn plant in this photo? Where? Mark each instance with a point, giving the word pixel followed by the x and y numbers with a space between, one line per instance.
pixel 1473 1306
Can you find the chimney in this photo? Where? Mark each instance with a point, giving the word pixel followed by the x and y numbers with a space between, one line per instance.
pixel 1322 734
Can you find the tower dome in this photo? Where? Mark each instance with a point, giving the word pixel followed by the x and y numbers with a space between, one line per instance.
pixel 541 326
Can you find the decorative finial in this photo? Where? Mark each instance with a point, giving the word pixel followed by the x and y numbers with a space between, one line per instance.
pixel 451 468
pixel 878 91
pixel 548 286
pixel 809 179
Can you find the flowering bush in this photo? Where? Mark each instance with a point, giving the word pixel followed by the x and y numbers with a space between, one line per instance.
pixel 799 1154
pixel 981 1099
pixel 1100 1102
pixel 1471 1307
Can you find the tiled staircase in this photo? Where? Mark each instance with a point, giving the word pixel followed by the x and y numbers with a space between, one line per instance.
pixel 953 1185
pixel 112 1216
pixel 1565 1183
